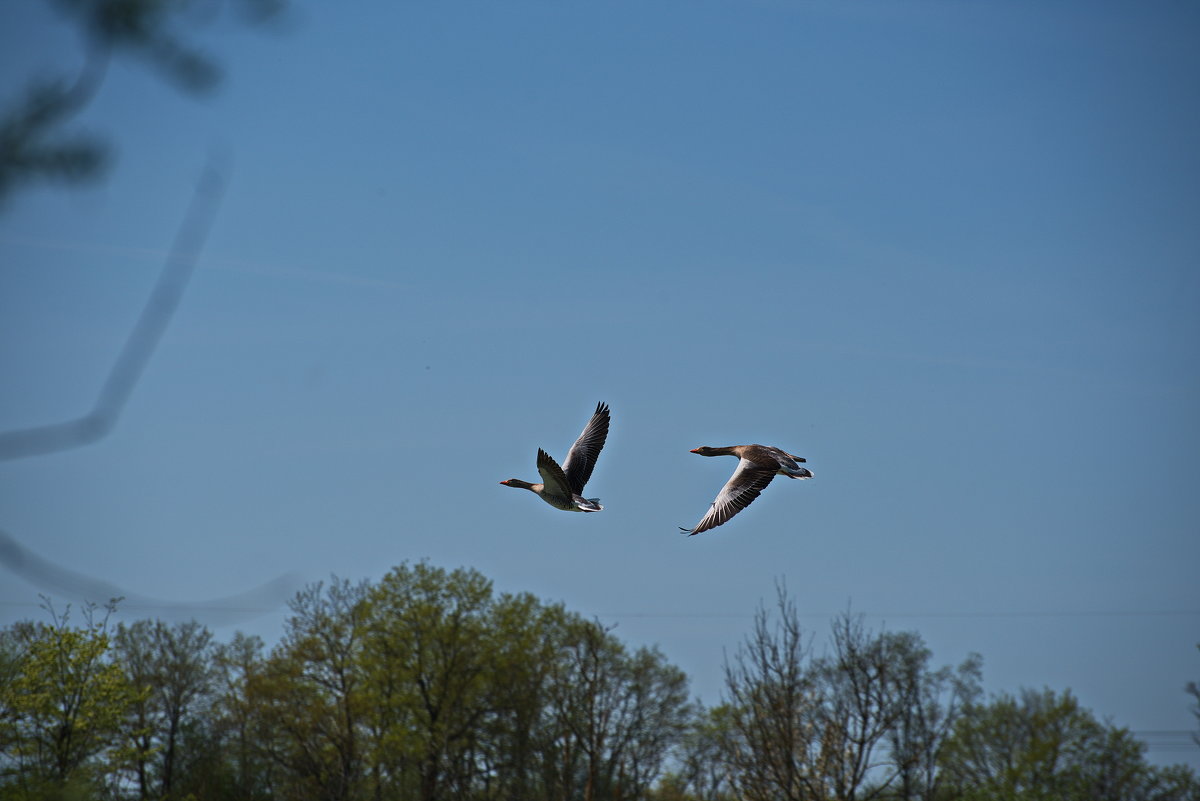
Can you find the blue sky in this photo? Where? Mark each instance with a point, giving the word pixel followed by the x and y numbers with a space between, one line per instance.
pixel 947 251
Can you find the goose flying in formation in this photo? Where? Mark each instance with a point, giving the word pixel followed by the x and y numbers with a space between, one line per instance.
pixel 562 487
pixel 757 465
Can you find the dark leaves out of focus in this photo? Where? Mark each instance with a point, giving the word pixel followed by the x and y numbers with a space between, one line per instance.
pixel 145 28
pixel 31 145
pixel 34 145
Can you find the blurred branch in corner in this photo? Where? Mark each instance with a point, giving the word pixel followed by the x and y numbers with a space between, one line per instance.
pixel 33 144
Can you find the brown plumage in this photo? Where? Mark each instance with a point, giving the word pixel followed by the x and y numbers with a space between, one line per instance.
pixel 757 465
pixel 562 487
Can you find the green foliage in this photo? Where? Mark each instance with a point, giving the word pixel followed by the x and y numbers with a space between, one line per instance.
pixel 432 661
pixel 705 770
pixel 613 714
pixel 1042 746
pixel 429 685
pixel 310 694
pixel 173 667
pixel 63 705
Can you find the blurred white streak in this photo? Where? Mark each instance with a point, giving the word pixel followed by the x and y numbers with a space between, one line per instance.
pixel 147 331
pixel 79 587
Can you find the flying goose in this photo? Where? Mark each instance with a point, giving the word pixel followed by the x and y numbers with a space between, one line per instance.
pixel 562 487
pixel 757 466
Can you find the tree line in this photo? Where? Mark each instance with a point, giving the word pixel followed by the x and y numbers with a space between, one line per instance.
pixel 428 685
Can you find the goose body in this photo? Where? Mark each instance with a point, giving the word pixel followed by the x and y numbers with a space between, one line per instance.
pixel 757 465
pixel 562 487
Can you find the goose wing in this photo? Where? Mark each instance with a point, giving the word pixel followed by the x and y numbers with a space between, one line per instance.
pixel 748 480
pixel 552 475
pixel 581 459
pixel 767 454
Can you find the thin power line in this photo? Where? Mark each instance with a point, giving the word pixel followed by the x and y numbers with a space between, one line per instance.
pixel 1047 613
pixel 143 605
pixel 1175 741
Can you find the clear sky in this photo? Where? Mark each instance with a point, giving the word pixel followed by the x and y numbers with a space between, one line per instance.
pixel 947 251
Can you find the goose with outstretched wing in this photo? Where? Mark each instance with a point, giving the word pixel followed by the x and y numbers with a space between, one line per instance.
pixel 562 487
pixel 757 465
